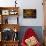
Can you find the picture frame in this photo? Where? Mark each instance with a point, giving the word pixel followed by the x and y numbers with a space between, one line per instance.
pixel 5 12
pixel 29 13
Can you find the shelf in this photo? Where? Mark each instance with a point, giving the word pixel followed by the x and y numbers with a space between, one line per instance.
pixel 11 26
pixel 7 16
pixel 6 12
pixel 10 19
pixel 11 41
pixel 9 10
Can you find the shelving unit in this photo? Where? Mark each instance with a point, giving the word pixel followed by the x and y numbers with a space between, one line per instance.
pixel 5 12
pixel 9 20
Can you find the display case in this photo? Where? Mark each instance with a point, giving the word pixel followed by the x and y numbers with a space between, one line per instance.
pixel 9 26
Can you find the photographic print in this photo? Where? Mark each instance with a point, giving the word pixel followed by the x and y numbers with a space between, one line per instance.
pixel 29 13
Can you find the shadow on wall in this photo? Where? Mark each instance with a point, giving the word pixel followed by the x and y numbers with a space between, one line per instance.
pixel 37 29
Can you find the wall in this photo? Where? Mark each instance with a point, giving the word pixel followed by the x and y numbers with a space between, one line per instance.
pixel 7 3
pixel 32 4
pixel 27 4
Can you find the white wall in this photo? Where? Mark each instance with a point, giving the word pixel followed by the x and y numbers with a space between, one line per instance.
pixel 32 4
pixel 27 4
pixel 7 3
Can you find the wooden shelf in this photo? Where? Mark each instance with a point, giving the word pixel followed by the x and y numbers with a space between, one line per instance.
pixel 9 43
pixel 8 11
pixel 4 13
pixel 11 26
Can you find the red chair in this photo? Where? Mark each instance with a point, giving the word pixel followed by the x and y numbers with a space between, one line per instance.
pixel 29 33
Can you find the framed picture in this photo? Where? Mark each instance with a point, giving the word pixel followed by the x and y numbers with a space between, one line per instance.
pixel 29 13
pixel 5 12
